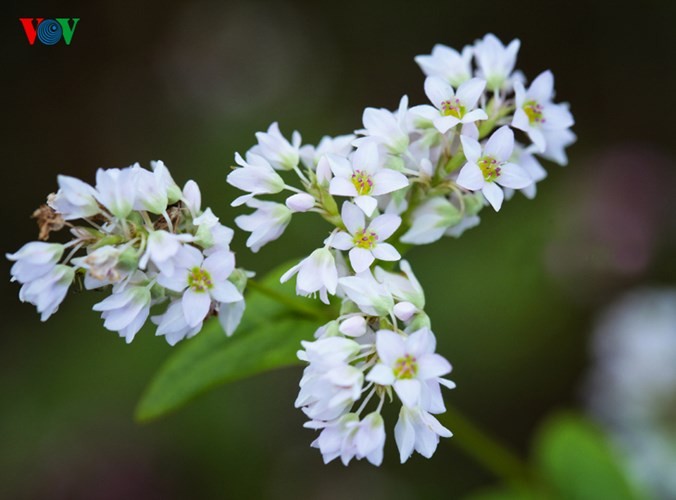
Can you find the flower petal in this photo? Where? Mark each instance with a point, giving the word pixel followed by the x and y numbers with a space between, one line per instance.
pixel 408 391
pixel 385 225
pixel 513 176
pixel 361 259
pixel 353 217
pixel 500 144
pixel 387 180
pixel 367 203
pixel 385 251
pixel 437 90
pixel 493 195
pixel 471 177
pixel 381 374
pixel 390 346
pixel 195 306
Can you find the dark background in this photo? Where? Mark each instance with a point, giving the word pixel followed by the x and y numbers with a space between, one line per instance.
pixel 512 302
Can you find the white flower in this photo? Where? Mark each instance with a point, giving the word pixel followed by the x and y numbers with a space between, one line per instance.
pixel 363 177
pixel 557 141
pixel 495 61
pixel 446 63
pixel 163 250
pixel 116 190
pixel 365 243
pixel 532 166
pixel 300 202
pixel 430 220
pixel 173 325
pixel 201 281
pixel 102 264
pixel 349 438
pixel 417 430
pixel 192 197
pixel 165 179
pixel 34 259
pixel 327 393
pixel 404 310
pixel 74 199
pixel 486 169
pixel 340 145
pixel 405 288
pixel 152 189
pixel 256 176
pixel 126 311
pixel 272 146
pixel 328 351
pixel 354 326
pixel 372 298
pixel 535 112
pixel 316 274
pixel 451 108
pixel 230 315
pixel 47 291
pixel 384 127
pixel 266 224
pixel 407 364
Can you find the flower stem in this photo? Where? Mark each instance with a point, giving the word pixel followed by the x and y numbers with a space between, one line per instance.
pixel 485 449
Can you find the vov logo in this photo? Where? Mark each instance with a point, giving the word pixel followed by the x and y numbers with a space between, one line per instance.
pixel 49 31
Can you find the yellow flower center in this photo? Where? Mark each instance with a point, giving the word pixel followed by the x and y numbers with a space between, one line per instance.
pixel 365 239
pixel 453 107
pixel 199 280
pixel 534 112
pixel 362 182
pixel 406 367
pixel 490 167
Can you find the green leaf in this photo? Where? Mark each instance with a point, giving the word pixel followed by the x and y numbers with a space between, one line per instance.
pixel 577 463
pixel 268 337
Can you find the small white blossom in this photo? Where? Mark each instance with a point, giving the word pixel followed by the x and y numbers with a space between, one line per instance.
pixel 173 324
pixel 165 179
pixel 430 221
pixel 102 264
pixel 536 113
pixel 192 197
pixel 34 259
pixel 446 63
pixel 363 177
pixel 74 199
pixel 340 145
pixel 451 108
pixel 151 190
pixel 487 168
pixel 372 297
pixel 417 430
pixel 365 243
pixel 354 326
pixel 256 176
pixel 300 202
pixel 557 141
pixel 407 364
pixel 126 311
pixel 316 274
pixel 282 154
pixel 163 250
pixel 230 315
pixel 495 61
pixel 405 288
pixel 47 291
pixel 115 190
pixel 266 224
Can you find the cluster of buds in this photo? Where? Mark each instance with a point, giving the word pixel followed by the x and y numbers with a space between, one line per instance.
pixel 145 241
pixel 408 177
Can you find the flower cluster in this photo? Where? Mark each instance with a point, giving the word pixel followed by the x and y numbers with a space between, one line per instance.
pixel 408 177
pixel 145 240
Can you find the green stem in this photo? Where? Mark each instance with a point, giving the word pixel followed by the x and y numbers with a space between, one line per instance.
pixel 290 302
pixel 485 449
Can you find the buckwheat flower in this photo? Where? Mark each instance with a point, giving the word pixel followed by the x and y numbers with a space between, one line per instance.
pixel 340 145
pixel 495 61
pixel 34 259
pixel 363 177
pixel 384 127
pixel 163 249
pixel 125 311
pixel 430 220
pixel 328 351
pixel 115 190
pixel 486 169
pixel 74 199
pixel 173 325
pixel 102 264
pixel 366 243
pixel 446 63
pixel 404 310
pixel 300 202
pixel 451 108
pixel 557 141
pixel 316 274
pixel 230 315
pixel 407 363
pixel 404 288
pixel 151 190
pixel 354 326
pixel 192 197
pixel 532 166
pixel 327 393
pixel 256 176
pixel 202 281
pixel 535 112
pixel 266 224
pixel 372 298
pixel 282 154
pixel 417 430
pixel 47 291
pixel 164 179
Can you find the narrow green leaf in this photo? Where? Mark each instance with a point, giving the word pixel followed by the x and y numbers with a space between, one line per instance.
pixel 577 463
pixel 269 336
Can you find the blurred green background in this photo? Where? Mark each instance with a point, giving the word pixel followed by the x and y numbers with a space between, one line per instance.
pixel 513 302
